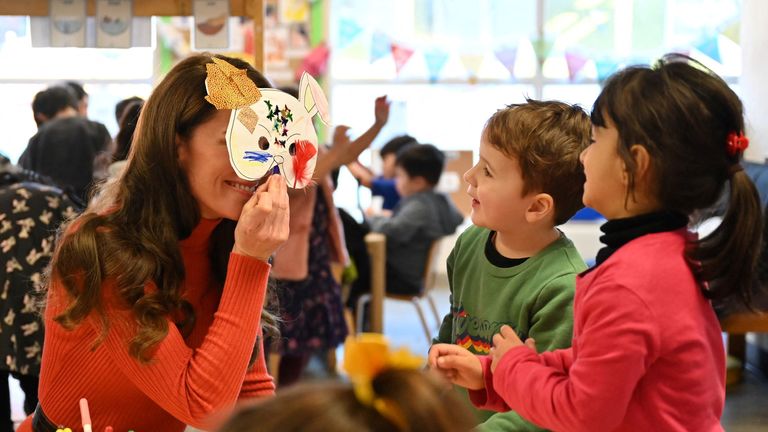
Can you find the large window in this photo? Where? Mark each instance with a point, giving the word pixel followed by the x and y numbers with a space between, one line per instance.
pixel 108 75
pixel 448 64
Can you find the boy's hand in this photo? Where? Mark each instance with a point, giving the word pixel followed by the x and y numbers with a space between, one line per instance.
pixel 458 365
pixel 381 110
pixel 505 340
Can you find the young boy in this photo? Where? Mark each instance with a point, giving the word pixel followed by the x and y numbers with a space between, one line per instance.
pixel 513 266
pixel 421 217
pixel 383 185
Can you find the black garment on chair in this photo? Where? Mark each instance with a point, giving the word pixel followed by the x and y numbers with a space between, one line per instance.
pixel 354 237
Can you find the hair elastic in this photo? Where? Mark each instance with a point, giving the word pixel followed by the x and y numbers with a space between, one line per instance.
pixel 736 143
pixel 734 168
pixel 367 355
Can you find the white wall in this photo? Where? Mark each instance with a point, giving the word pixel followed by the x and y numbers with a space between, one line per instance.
pixel 754 87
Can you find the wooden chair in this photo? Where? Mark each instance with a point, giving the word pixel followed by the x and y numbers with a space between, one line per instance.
pixel 377 250
pixel 737 326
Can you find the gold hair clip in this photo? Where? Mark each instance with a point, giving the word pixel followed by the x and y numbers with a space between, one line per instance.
pixel 365 356
pixel 229 87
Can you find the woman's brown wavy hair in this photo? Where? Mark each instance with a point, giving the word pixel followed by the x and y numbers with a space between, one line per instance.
pixel 682 113
pixel 131 231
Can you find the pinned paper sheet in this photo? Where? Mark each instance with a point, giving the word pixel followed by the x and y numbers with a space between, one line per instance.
pixel 211 22
pixel 269 131
pixel 114 19
pixel 67 23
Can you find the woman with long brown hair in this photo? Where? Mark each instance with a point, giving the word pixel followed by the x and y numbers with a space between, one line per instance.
pixel 154 308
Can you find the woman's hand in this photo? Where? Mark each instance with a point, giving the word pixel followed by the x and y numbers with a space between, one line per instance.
pixel 263 223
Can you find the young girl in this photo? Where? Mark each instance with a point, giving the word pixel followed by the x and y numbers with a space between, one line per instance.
pixel 647 351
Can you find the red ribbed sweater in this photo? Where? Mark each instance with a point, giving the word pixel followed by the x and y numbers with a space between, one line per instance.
pixel 187 381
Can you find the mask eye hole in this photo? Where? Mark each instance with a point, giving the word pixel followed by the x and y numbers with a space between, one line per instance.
pixel 263 143
pixel 292 149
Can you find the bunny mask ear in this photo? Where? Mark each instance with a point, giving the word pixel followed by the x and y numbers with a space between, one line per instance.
pixel 269 133
pixel 313 98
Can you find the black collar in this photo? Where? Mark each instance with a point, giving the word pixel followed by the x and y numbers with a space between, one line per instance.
pixel 618 232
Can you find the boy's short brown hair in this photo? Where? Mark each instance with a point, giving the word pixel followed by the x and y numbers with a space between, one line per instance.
pixel 546 138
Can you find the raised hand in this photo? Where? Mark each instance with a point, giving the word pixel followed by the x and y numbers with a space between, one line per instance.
pixel 381 110
pixel 263 223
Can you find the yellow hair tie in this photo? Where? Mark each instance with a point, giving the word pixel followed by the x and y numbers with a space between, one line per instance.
pixel 365 356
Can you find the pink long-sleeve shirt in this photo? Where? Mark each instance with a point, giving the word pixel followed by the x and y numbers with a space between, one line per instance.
pixel 647 352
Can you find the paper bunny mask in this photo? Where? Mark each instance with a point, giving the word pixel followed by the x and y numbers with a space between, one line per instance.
pixel 269 130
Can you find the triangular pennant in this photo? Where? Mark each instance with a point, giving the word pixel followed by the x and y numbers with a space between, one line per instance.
pixel 542 48
pixel 604 69
pixel 710 47
pixel 733 31
pixel 435 59
pixel 380 46
pixel 401 55
pixel 575 63
pixel 348 31
pixel 507 57
pixel 315 63
pixel 357 50
pixel 472 63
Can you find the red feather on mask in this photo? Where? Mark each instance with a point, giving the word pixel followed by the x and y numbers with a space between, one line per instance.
pixel 305 151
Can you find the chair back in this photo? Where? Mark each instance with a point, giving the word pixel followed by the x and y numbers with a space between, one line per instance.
pixel 428 280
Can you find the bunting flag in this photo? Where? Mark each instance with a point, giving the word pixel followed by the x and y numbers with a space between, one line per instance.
pixel 604 69
pixel 401 55
pixel 315 63
pixel 575 62
pixel 507 57
pixel 542 48
pixel 357 50
pixel 710 48
pixel 472 64
pixel 733 31
pixel 348 31
pixel 435 60
pixel 380 46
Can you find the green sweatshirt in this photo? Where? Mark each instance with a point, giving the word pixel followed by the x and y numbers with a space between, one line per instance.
pixel 535 298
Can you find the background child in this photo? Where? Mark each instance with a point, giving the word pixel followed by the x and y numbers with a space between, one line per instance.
pixel 383 185
pixel 513 266
pixel 421 217
pixel 647 350
pixel 309 296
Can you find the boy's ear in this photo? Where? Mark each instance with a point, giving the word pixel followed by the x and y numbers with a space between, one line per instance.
pixel 542 206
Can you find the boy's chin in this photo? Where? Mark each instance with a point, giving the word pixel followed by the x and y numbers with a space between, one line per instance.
pixel 478 221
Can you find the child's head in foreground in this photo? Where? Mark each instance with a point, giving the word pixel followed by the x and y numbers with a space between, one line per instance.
pixel 389 391
pixel 529 170
pixel 667 138
pixel 423 403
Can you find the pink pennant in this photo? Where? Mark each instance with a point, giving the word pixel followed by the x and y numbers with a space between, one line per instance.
pixel 507 56
pixel 401 55
pixel 575 62
pixel 315 63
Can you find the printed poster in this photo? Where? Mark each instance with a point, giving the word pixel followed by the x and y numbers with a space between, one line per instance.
pixel 113 23
pixel 211 22
pixel 67 23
